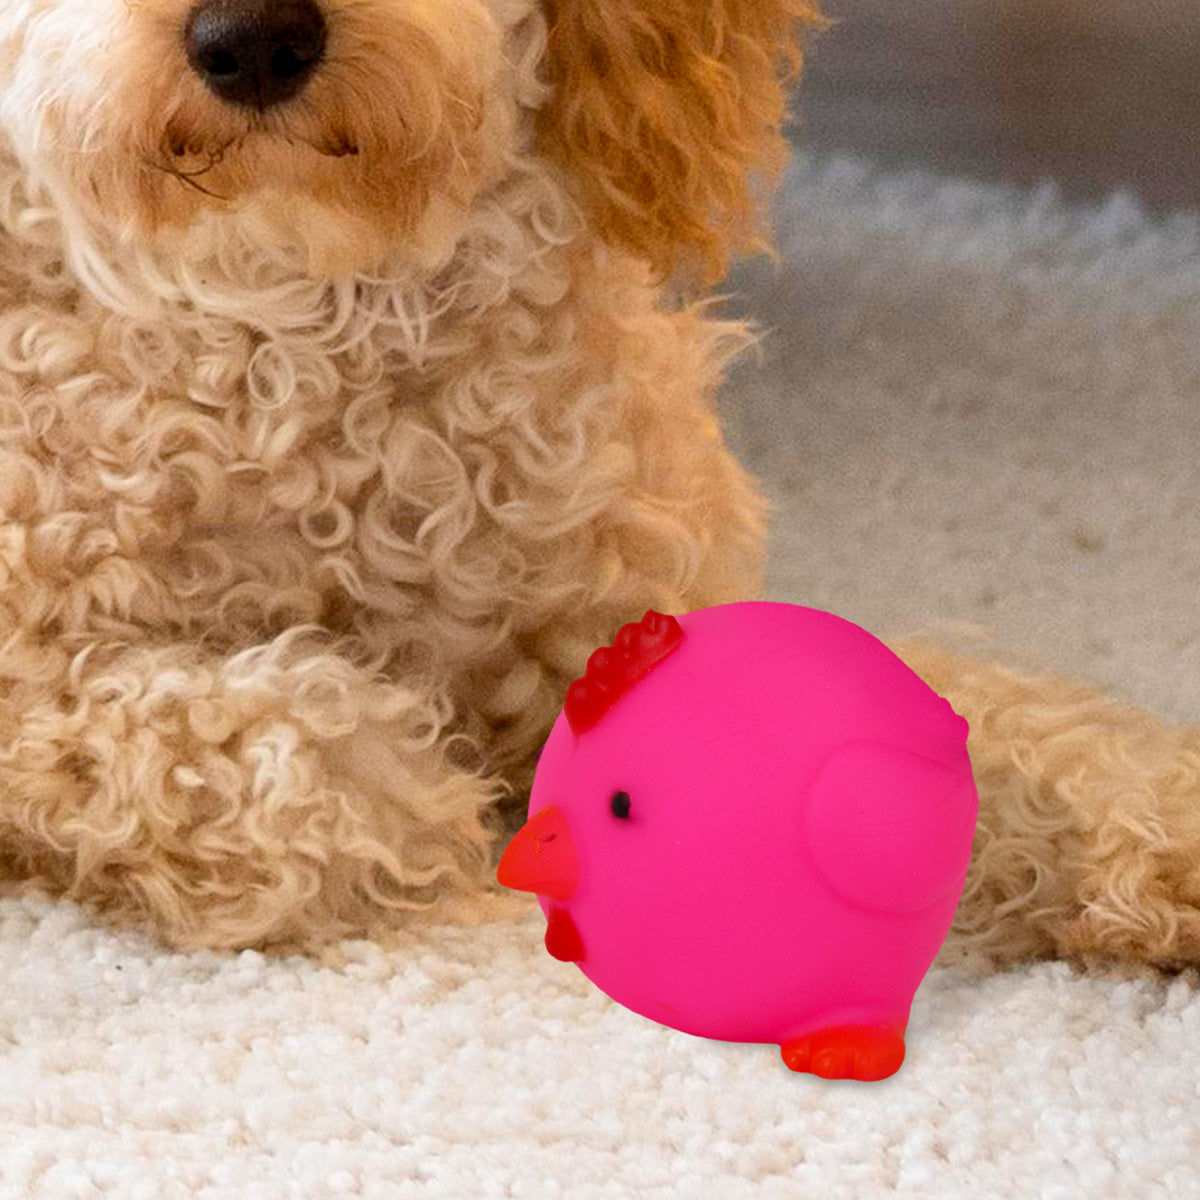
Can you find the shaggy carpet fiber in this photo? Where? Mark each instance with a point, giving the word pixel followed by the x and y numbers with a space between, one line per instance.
pixel 978 416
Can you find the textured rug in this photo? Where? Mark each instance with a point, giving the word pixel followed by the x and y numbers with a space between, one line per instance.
pixel 978 414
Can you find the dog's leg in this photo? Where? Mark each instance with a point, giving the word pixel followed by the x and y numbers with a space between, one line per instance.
pixel 666 516
pixel 693 522
pixel 280 795
pixel 1089 826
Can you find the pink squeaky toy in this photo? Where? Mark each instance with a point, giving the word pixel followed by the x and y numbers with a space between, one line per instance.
pixel 752 822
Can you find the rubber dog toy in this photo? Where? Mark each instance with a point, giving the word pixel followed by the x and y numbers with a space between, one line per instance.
pixel 752 823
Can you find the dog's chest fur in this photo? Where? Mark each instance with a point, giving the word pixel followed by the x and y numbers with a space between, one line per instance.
pixel 235 450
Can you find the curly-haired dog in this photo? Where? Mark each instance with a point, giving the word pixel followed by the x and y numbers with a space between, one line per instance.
pixel 344 410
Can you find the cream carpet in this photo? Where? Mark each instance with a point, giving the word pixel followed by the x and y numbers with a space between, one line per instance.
pixel 979 408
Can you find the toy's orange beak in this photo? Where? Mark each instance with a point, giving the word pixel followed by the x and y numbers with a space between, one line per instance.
pixel 541 857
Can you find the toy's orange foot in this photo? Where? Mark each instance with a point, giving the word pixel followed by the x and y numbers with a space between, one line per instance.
pixel 849 1052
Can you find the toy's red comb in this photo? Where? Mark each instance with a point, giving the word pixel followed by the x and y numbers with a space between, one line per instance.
pixel 611 672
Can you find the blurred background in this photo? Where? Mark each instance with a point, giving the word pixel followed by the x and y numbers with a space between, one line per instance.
pixel 1095 94
pixel 976 405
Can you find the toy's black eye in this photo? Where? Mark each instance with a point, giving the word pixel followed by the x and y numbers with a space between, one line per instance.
pixel 620 805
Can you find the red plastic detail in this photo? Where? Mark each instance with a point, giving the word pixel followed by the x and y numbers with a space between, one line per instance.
pixel 612 671
pixel 869 1053
pixel 562 937
pixel 541 857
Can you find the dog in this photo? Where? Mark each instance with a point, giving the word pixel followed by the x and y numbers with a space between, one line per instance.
pixel 357 382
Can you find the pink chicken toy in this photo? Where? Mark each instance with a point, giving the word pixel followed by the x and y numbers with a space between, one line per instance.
pixel 753 823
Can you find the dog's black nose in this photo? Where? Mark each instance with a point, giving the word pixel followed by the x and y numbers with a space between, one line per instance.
pixel 255 52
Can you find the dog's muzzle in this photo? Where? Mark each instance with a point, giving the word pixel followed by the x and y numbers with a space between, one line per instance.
pixel 256 53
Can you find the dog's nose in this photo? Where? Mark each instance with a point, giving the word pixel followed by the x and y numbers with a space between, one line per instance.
pixel 258 53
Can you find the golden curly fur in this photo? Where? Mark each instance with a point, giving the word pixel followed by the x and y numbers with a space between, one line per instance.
pixel 667 114
pixel 334 437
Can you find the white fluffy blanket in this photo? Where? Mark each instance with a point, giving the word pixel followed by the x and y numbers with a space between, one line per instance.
pixel 979 407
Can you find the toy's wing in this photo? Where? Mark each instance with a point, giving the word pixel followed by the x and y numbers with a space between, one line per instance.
pixel 888 830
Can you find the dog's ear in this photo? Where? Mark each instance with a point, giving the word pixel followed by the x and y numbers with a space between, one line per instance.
pixel 668 116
